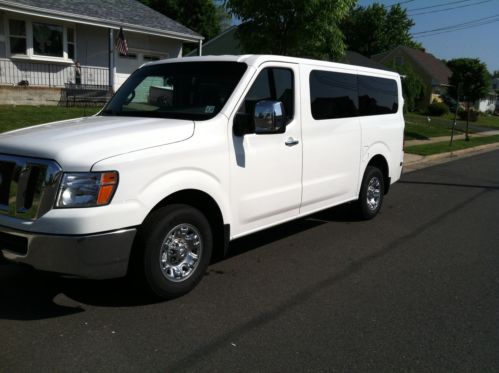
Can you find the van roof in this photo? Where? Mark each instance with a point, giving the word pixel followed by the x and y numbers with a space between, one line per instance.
pixel 256 60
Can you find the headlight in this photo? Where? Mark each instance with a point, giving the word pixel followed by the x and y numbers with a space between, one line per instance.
pixel 87 189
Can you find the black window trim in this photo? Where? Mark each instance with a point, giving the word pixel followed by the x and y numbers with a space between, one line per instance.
pixel 357 75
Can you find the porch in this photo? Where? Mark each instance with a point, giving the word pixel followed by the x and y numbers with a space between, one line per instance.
pixel 55 75
pixel 26 82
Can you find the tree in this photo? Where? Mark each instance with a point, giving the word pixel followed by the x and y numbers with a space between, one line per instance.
pixel 412 86
pixel 470 81
pixel 302 28
pixel 202 16
pixel 376 28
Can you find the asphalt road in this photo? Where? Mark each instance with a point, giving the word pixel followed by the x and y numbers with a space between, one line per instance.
pixel 416 289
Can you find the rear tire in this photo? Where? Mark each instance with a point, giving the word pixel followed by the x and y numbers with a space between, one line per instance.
pixel 371 193
pixel 177 244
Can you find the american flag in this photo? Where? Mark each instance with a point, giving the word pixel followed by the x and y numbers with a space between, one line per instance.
pixel 121 43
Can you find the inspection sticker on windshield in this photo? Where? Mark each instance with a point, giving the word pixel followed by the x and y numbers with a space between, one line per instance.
pixel 209 109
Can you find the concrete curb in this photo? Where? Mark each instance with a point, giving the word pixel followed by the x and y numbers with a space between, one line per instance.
pixel 413 162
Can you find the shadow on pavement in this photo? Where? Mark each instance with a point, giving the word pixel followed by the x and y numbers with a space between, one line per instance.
pixel 490 187
pixel 343 213
pixel 27 294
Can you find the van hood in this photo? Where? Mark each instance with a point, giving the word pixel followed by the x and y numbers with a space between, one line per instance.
pixel 77 144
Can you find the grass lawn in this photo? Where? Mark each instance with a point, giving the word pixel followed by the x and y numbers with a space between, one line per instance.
pixel 447 120
pixel 417 126
pixel 13 117
pixel 443 147
pixel 424 131
pixel 484 120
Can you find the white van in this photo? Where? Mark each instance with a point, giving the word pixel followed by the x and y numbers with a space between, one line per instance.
pixel 191 153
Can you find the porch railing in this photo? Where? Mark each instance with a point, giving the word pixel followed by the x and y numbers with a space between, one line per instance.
pixel 45 74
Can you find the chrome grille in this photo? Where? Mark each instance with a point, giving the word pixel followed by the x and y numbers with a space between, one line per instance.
pixel 28 186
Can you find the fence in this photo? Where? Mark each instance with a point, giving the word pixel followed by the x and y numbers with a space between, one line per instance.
pixel 43 74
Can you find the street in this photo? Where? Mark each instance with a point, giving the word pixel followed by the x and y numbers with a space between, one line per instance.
pixel 415 289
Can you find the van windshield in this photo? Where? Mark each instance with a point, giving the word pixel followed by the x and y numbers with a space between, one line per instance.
pixel 181 90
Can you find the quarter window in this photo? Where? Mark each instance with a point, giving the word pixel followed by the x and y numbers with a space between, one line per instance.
pixel 377 95
pixel 333 95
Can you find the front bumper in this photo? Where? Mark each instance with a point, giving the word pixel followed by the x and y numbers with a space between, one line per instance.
pixel 96 256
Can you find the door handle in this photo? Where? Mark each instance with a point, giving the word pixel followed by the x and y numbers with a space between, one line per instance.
pixel 291 142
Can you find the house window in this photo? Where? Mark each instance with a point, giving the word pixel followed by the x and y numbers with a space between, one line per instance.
pixel 47 40
pixel 17 36
pixel 150 58
pixel 71 43
pixel 130 56
pixel 38 40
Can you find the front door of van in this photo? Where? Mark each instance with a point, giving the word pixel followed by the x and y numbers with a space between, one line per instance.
pixel 266 169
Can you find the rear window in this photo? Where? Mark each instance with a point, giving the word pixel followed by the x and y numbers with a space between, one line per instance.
pixel 377 95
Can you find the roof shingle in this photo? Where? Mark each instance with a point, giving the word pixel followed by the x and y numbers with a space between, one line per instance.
pixel 129 12
pixel 434 68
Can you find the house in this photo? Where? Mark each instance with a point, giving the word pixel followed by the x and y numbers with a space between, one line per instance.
pixel 224 43
pixel 495 84
pixel 434 72
pixel 354 58
pixel 41 41
pixel 495 87
pixel 490 103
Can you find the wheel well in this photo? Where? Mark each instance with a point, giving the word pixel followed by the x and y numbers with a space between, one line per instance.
pixel 380 162
pixel 207 205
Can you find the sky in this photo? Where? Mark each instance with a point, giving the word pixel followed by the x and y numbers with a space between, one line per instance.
pixel 480 41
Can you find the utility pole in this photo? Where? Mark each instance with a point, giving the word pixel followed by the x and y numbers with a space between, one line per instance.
pixel 459 88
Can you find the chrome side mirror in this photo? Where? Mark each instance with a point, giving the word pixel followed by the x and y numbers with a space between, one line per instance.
pixel 269 117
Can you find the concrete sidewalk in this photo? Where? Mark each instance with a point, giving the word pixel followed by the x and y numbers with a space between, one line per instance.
pixel 414 162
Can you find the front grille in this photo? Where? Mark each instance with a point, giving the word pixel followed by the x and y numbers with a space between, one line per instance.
pixel 16 244
pixel 28 186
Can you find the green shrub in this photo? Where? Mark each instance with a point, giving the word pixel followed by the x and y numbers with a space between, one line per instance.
pixel 437 109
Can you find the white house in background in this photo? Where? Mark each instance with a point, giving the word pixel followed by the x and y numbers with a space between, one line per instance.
pixel 490 103
pixel 41 40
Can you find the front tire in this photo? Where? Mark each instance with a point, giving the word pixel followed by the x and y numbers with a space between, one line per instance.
pixel 371 193
pixel 177 242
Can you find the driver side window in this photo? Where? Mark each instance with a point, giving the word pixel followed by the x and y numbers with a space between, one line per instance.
pixel 273 83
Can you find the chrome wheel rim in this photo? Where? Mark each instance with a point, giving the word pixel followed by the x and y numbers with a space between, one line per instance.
pixel 373 193
pixel 180 252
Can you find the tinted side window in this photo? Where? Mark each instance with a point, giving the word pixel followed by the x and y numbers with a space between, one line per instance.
pixel 333 95
pixel 377 95
pixel 271 84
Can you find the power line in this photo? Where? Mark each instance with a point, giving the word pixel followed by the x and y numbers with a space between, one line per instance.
pixel 446 9
pixel 399 3
pixel 439 5
pixel 457 29
pixel 470 23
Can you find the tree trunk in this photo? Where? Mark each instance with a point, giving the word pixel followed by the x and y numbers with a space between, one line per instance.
pixel 466 136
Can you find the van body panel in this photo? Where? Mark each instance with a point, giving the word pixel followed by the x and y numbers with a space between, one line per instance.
pixel 265 173
pixel 331 153
pixel 256 180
